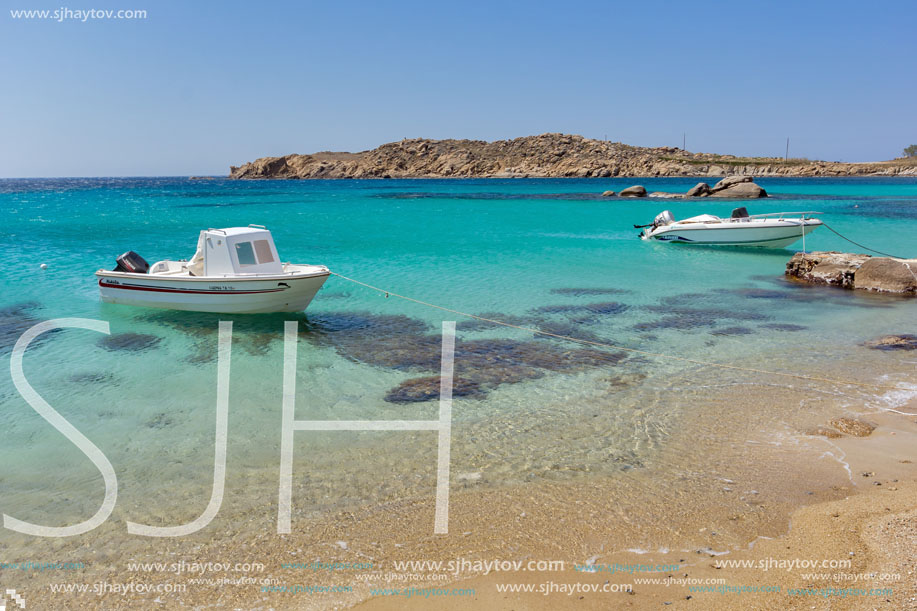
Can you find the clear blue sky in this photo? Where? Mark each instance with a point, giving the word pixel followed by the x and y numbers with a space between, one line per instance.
pixel 197 86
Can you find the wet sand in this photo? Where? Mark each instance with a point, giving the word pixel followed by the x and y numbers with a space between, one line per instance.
pixel 874 527
pixel 763 493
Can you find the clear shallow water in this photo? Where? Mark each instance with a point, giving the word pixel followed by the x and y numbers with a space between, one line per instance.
pixel 541 253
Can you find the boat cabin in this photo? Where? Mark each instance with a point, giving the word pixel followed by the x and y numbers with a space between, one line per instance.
pixel 235 251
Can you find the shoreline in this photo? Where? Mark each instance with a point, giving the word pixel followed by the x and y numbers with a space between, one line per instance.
pixel 699 519
pixel 873 527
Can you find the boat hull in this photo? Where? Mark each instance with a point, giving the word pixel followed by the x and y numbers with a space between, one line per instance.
pixel 286 293
pixel 773 234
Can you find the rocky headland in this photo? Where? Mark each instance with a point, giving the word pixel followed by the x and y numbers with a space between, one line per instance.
pixel 547 155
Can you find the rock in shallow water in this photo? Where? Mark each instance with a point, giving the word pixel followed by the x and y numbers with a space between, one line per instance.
pixel 732 331
pixel 130 342
pixel 578 292
pixel 851 426
pixel 745 190
pixel 701 189
pixel 730 181
pixel 780 326
pixel 893 342
pixel 635 191
pixel 855 271
pixel 402 343
pixel 601 308
pixel 887 275
pixel 16 320
pixel 427 389
pixel 831 267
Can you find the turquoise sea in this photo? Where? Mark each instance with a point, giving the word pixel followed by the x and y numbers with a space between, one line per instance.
pixel 550 254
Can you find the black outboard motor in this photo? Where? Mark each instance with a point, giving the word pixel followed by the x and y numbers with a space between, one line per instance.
pixel 132 263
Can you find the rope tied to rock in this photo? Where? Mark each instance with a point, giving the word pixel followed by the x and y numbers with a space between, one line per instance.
pixel 591 343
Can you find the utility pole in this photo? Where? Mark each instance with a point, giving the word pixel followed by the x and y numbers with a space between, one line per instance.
pixel 786 157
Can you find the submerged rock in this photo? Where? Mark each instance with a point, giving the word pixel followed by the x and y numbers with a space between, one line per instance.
pixel 711 314
pixel 782 326
pixel 577 292
pixel 130 342
pixel 851 426
pixel 16 320
pixel 602 308
pixel 676 322
pixel 402 344
pixel 427 389
pixel 733 331
pixel 94 377
pixel 160 421
pixel 608 193
pixel 475 324
pixel 893 342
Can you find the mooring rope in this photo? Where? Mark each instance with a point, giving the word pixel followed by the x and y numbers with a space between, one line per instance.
pixel 587 342
pixel 843 237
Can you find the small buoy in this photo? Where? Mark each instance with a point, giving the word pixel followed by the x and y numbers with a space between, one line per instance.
pixel 856 205
pixel 43 266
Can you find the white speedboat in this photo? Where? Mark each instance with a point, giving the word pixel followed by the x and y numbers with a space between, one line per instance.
pixel 774 230
pixel 235 270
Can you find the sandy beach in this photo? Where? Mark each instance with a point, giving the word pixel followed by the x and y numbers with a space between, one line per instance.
pixel 748 527
pixel 874 527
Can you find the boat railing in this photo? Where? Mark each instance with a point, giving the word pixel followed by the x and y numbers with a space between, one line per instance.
pixel 780 214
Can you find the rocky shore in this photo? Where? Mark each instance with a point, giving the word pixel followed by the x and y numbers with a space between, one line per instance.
pixel 547 155
pixel 855 271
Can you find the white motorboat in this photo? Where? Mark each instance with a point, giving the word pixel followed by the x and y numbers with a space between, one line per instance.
pixel 235 270
pixel 774 230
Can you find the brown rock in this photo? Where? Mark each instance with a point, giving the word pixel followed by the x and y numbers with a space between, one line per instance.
pixel 850 426
pixel 418 390
pixel 635 191
pixel 742 190
pixel 905 341
pixel 608 193
pixel 887 275
pixel 701 189
pixel 832 268
pixel 730 181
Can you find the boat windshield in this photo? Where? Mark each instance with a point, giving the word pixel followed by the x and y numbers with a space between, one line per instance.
pixel 245 254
